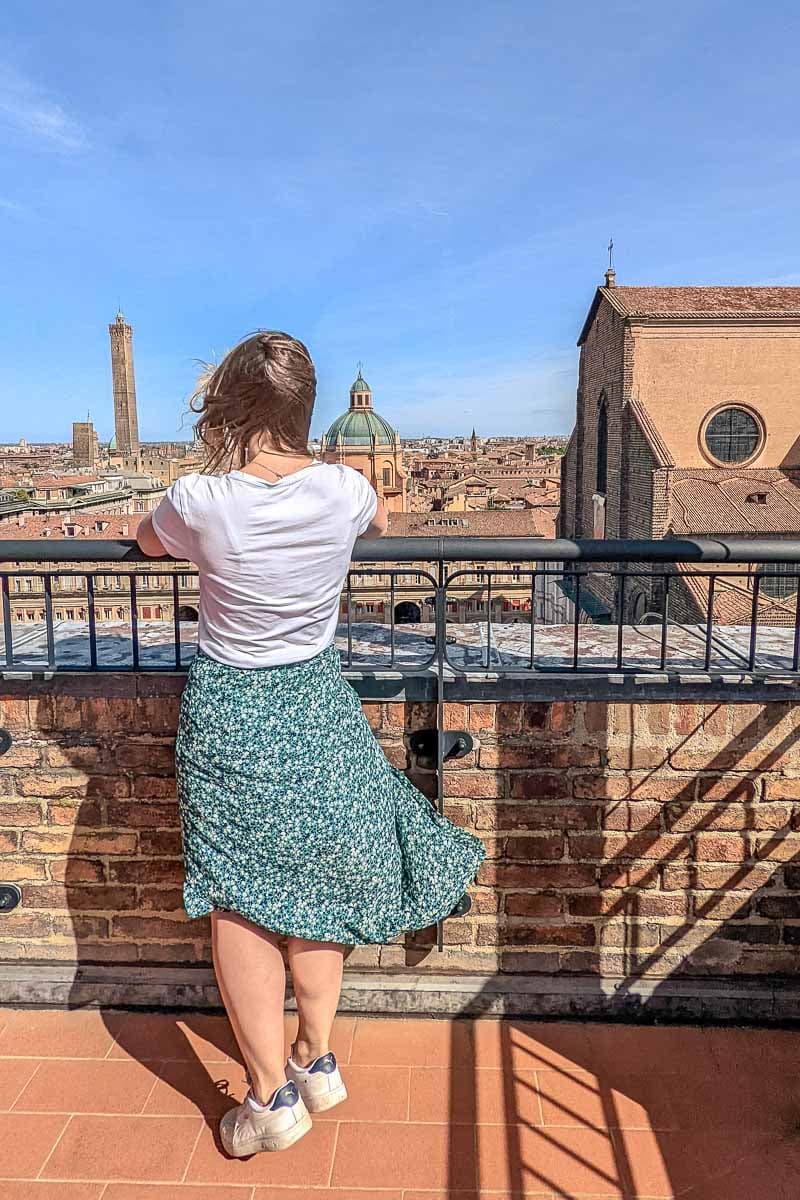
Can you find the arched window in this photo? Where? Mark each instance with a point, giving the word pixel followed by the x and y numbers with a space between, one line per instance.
pixel 602 446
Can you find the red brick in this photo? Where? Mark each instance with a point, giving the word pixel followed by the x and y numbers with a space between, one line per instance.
pixel 637 757
pixel 481 717
pixel 508 717
pixel 374 715
pixel 14 714
pixel 455 716
pixel 535 785
pixel 81 757
pixel 72 783
pixel 636 816
pixel 77 870
pixel 729 789
pixel 535 848
pixel 713 847
pixel 539 935
pixel 741 877
pixel 532 904
pixel 21 924
pixel 540 755
pixel 171 952
pixel 163 928
pixel 721 906
pixel 160 899
pixel 474 783
pixel 150 756
pixel 625 876
pixel 562 716
pixel 160 842
pixel 153 787
pixel 8 841
pixel 74 897
pixel 781 788
pixel 618 846
pixel 144 870
pixel 106 714
pixel 20 813
pixel 22 756
pixel 138 814
pixel 20 870
pixel 535 816
pixel 631 904
pixel 82 812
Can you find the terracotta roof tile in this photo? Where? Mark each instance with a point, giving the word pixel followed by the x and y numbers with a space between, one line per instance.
pixel 716 501
pixel 705 301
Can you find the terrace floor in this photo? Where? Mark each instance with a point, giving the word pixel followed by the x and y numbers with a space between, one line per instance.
pixel 470 646
pixel 123 1106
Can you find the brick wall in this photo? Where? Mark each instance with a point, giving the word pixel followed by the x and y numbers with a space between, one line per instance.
pixel 624 841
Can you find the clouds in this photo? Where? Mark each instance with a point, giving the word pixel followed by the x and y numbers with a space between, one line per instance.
pixel 30 115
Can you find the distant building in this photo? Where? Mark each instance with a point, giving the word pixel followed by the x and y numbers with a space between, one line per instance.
pixel 687 425
pixel 364 440
pixel 126 425
pixel 83 443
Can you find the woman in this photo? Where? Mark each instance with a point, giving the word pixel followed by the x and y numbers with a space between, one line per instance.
pixel 294 823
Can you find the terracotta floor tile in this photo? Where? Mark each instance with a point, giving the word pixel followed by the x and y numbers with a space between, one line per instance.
pixel 306 1164
pixel 290 1193
pixel 14 1074
pixel 701 1165
pixel 38 1033
pixel 737 1049
pixel 26 1139
pixel 29 1189
pixel 522 1159
pixel 465 1097
pixel 406 1155
pixel 583 1100
pixel 189 1088
pixel 63 1085
pixel 172 1191
pixel 660 1050
pixel 757 1103
pixel 141 1148
pixel 153 1036
pixel 373 1094
pixel 531 1045
pixel 411 1042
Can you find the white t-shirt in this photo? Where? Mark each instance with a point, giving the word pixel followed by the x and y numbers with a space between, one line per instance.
pixel 273 557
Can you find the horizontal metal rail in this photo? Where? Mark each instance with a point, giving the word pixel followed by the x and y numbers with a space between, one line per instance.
pixel 456 549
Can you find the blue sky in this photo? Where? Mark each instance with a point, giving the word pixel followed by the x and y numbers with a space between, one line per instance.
pixel 427 187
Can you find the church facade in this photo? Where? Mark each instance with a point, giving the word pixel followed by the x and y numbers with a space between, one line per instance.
pixel 362 439
pixel 688 424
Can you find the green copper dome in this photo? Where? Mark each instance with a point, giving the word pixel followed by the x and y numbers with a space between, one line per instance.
pixel 356 428
pixel 112 445
pixel 360 385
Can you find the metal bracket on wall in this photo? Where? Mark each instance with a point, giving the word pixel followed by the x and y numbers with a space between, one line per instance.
pixel 10 896
pixel 5 741
pixel 423 745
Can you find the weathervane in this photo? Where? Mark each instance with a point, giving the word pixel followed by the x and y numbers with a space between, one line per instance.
pixel 611 254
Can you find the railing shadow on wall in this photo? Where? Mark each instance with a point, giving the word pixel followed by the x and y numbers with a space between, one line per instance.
pixel 668 1111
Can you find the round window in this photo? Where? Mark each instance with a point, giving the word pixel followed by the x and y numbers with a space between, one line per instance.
pixel 732 435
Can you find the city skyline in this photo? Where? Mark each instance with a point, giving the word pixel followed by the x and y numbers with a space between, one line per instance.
pixel 438 203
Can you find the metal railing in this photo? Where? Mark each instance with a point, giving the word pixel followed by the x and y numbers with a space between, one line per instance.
pixel 683 576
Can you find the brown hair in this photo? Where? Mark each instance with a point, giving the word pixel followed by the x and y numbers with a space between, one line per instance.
pixel 266 384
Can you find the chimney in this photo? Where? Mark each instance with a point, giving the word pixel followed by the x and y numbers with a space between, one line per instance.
pixel 611 277
pixel 21 519
pixel 124 529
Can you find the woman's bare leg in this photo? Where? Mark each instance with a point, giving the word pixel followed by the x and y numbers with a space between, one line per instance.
pixel 317 979
pixel 252 982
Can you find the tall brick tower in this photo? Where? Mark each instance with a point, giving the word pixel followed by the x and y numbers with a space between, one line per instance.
pixel 126 424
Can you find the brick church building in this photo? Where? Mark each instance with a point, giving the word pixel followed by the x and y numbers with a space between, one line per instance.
pixel 688 424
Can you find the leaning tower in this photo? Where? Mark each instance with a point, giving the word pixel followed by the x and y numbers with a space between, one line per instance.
pixel 126 425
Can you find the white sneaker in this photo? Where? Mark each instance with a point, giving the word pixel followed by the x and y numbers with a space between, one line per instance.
pixel 246 1129
pixel 320 1084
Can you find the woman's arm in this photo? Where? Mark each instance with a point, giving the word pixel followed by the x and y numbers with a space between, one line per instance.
pixel 379 523
pixel 148 541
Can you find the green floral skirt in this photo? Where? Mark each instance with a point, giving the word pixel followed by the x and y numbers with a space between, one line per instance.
pixel 293 817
